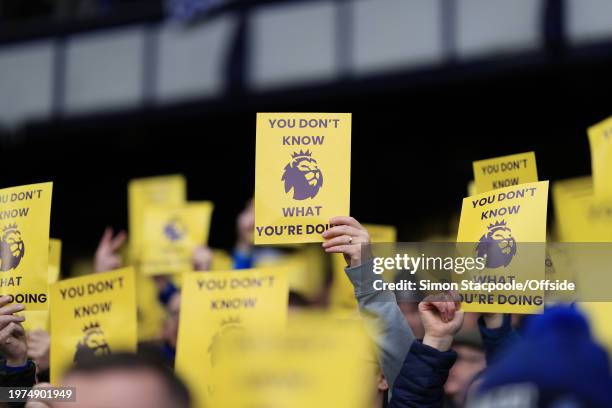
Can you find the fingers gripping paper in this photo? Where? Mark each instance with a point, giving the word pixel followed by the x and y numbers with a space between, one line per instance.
pixel 302 175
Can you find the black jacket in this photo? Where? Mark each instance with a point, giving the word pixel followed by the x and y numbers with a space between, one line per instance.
pixel 421 380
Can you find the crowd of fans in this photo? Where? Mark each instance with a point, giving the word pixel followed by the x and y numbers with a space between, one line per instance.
pixel 431 353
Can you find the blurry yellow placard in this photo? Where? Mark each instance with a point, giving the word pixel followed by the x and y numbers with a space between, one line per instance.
pixel 25 215
pixel 92 316
pixel 316 363
pixel 342 293
pixel 505 171
pixel 55 259
pixel 302 175
pixel 172 233
pixel 505 226
pixel 580 215
pixel 162 190
pixel 36 320
pixel 600 139
pixel 216 305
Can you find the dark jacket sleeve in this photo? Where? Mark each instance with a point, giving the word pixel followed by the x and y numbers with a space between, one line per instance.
pixel 421 380
pixel 17 377
pixel 495 340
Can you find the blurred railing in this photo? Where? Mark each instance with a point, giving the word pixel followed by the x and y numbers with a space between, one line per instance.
pixel 254 48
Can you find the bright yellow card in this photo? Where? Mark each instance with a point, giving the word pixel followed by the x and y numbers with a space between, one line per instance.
pixel 55 259
pixel 162 190
pixel 302 175
pixel 317 362
pixel 580 215
pixel 25 215
pixel 505 171
pixel 172 233
pixel 214 306
pixel 92 316
pixel 600 139
pixel 504 226
pixel 342 293
pixel 36 320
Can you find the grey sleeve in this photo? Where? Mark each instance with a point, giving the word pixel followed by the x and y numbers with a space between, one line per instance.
pixel 391 333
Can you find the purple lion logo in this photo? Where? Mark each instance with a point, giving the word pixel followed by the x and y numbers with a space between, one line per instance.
pixel 497 245
pixel 303 175
pixel 174 230
pixel 93 344
pixel 12 248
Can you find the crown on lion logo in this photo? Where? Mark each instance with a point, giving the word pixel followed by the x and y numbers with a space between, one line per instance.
pixel 501 223
pixel 230 321
pixel 9 227
pixel 301 153
pixel 91 326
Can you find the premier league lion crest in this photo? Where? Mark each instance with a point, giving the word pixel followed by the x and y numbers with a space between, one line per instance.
pixel 12 248
pixel 302 175
pixel 93 344
pixel 175 230
pixel 497 245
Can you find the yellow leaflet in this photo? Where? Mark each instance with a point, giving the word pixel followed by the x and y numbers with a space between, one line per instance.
pixel 471 188
pixel 55 259
pixel 317 362
pixel 216 305
pixel 162 190
pixel 580 215
pixel 25 214
pixel 342 293
pixel 302 175
pixel 221 261
pixel 172 233
pixel 92 315
pixel 600 139
pixel 497 222
pixel 499 172
pixel 36 320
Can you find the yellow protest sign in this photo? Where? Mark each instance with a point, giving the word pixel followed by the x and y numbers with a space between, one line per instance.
pixel 36 320
pixel 505 171
pixel 316 362
pixel 214 306
pixel 162 190
pixel 25 215
pixel 302 175
pixel 91 316
pixel 172 232
pixel 580 215
pixel 55 259
pixel 504 226
pixel 342 293
pixel 600 139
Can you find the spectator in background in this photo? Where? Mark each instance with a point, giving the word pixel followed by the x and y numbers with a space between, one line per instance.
pixel 555 364
pixel 470 362
pixel 122 380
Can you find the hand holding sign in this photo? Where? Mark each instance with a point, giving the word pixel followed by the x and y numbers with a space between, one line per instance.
pixel 346 237
pixel 107 258
pixel 12 334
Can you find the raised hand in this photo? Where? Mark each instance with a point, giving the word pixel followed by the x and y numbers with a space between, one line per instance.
pixel 107 258
pixel 441 319
pixel 346 237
